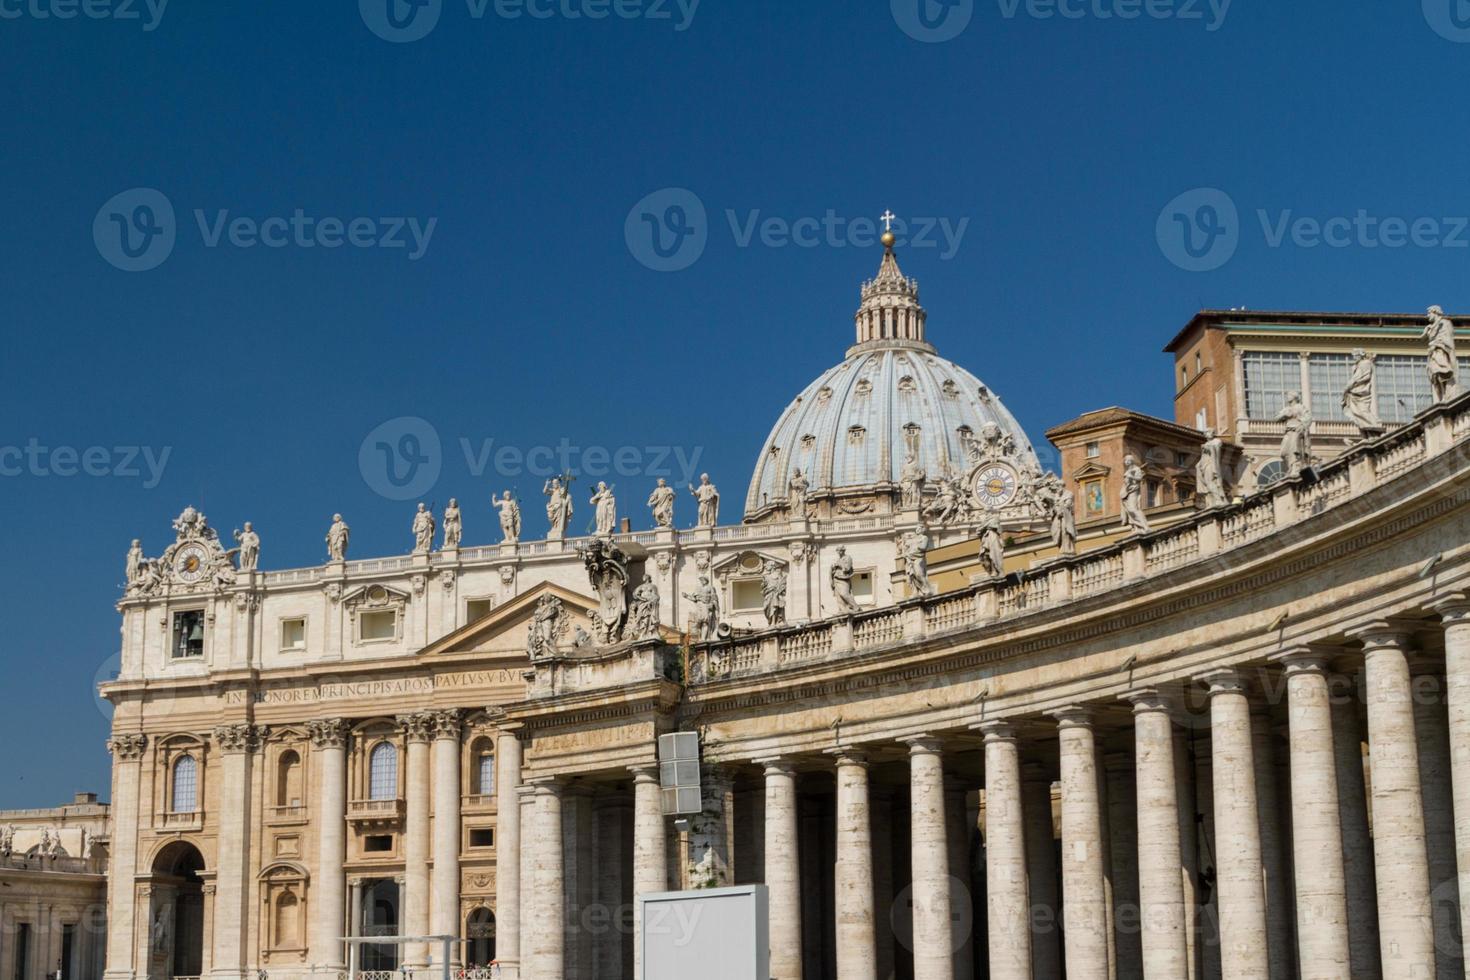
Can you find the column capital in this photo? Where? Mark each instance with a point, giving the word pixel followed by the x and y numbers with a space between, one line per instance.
pixel 127 746
pixel 1306 658
pixel 446 724
pixel 925 744
pixel 1148 699
pixel 1453 609
pixel 776 765
pixel 328 733
pixel 996 731
pixel 845 757
pixel 1384 634
pixel 1225 681
pixel 239 737
pixel 546 786
pixel 1074 716
pixel 417 727
pixel 645 774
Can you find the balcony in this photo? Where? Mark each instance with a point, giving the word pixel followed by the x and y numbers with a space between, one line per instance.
pixel 478 803
pixel 180 822
pixel 385 814
pixel 285 814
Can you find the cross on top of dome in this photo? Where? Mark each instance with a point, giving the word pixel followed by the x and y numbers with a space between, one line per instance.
pixel 890 308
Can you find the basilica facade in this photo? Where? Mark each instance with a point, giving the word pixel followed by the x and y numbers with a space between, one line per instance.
pixel 1225 735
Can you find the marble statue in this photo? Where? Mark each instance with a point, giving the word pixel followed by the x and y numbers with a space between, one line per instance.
pixel 1209 472
pixel 249 543
pixel 7 842
pixel 709 502
pixel 1296 443
pixel 558 507
pixel 661 502
pixel 1444 367
pixel 1358 400
pixel 135 563
pixel 607 571
pixel 47 847
pixel 706 602
pixel 645 611
pixel 796 491
pixel 840 577
pixel 1064 520
pixel 773 592
pixel 158 932
pixel 337 537
pixel 913 549
pixel 423 530
pixel 945 507
pixel 510 517
pixel 453 525
pixel 605 510
pixel 992 547
pixel 911 478
pixel 1132 495
pixel 549 623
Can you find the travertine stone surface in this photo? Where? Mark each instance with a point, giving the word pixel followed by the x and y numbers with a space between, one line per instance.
pixel 783 870
pixel 856 940
pixel 933 937
pixel 1083 898
pixel 1160 886
pixel 1008 895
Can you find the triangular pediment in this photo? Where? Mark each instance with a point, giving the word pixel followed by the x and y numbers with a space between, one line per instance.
pixel 1091 469
pixel 504 632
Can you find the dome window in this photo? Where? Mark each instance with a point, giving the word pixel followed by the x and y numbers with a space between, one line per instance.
pixel 907 384
pixel 824 396
pixel 808 442
pixel 951 389
pixel 864 387
pixel 856 435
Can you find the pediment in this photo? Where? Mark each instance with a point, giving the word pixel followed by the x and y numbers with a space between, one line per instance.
pixel 504 632
pixel 1091 470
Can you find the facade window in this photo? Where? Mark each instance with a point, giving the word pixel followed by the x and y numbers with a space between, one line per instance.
pixel 1402 383
pixel 1094 450
pixel 288 779
pixel 485 774
pixel 381 625
pixel 188 634
pixel 1198 363
pixel 1329 374
pixel 746 595
pixel 1269 375
pixel 477 609
pixel 1201 420
pixel 482 837
pixel 862 587
pixel 1151 493
pixel 1269 473
pixel 383 772
pixel 184 797
pixel 293 634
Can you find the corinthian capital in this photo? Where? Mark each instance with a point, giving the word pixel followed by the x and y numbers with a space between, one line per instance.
pixel 239 738
pixel 129 746
pixel 446 723
pixel 328 732
pixel 418 727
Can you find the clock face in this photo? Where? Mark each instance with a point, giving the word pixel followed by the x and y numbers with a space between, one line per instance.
pixel 190 562
pixel 995 486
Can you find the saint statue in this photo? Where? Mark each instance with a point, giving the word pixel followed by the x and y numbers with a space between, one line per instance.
pixel 709 502
pixel 423 530
pixel 453 525
pixel 135 562
pixel 1357 400
pixel 1132 495
pixel 706 601
pixel 1209 472
pixel 796 491
pixel 1444 367
pixel 645 610
pixel 337 536
pixel 549 624
pixel 911 478
pixel 558 507
pixel 913 550
pixel 661 502
pixel 840 577
pixel 605 509
pixel 773 592
pixel 992 547
pixel 1296 443
pixel 1064 520
pixel 946 504
pixel 510 517
pixel 249 543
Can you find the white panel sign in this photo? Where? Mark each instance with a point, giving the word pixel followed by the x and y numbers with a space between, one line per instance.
pixel 708 934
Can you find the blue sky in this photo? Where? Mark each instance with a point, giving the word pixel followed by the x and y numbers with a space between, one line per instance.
pixel 526 311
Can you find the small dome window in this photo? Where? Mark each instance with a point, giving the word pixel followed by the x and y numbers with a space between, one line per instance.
pixel 907 384
pixel 856 435
pixel 951 389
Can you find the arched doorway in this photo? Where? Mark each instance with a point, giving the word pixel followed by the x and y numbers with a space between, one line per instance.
pixel 479 933
pixel 176 912
pixel 380 917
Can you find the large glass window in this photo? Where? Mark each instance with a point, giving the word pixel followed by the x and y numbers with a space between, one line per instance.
pixel 1403 387
pixel 383 772
pixel 485 774
pixel 1329 374
pixel 1269 375
pixel 186 785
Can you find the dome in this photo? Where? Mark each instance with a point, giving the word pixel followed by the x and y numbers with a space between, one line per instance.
pixel 850 430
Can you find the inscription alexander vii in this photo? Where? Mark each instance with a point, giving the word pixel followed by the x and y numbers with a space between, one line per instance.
pixel 347 690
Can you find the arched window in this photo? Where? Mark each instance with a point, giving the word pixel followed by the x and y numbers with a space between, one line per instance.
pixel 288 779
pixel 185 795
pixel 383 773
pixel 288 920
pixel 484 772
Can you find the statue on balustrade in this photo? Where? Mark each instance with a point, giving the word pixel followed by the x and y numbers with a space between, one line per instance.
pixel 135 563
pixel 706 612
pixel 1358 400
pixel 796 495
pixel 607 571
pixel 1444 366
pixel 510 517
pixel 1296 442
pixel 661 502
pixel 453 525
pixel 644 619
pixel 1209 472
pixel 913 550
pixel 1063 504
pixel 709 502
pixel 337 537
pixel 7 842
pixel 423 530
pixel 840 577
pixel 911 479
pixel 549 623
pixel 604 510
pixel 992 547
pixel 1132 496
pixel 773 592
pixel 558 506
pixel 249 543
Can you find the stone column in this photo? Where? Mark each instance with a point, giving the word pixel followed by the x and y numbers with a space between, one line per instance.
pixel 548 886
pixel 933 937
pixel 328 888
pixel 1240 884
pixel 1357 841
pixel 418 731
pixel 1432 733
pixel 1280 944
pixel 507 850
pixel 1123 848
pixel 956 795
pixel 127 755
pixel 1455 611
pixel 237 745
pixel 1008 895
pixel 1160 886
pixel 1042 887
pixel 1084 900
pixel 1401 863
pixel 856 938
pixel 1321 885
pixel 526 797
pixel 650 847
pixel 444 913
pixel 783 869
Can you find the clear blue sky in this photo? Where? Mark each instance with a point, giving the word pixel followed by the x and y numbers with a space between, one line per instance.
pixel 528 319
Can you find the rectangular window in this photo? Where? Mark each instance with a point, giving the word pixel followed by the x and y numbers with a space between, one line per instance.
pixel 862 587
pixel 477 609
pixel 293 634
pixel 1329 374
pixel 377 843
pixel 482 837
pixel 1094 450
pixel 188 636
pixel 379 625
pixel 1269 375
pixel 1402 382
pixel 485 775
pixel 1152 494
pixel 1201 420
pixel 746 595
